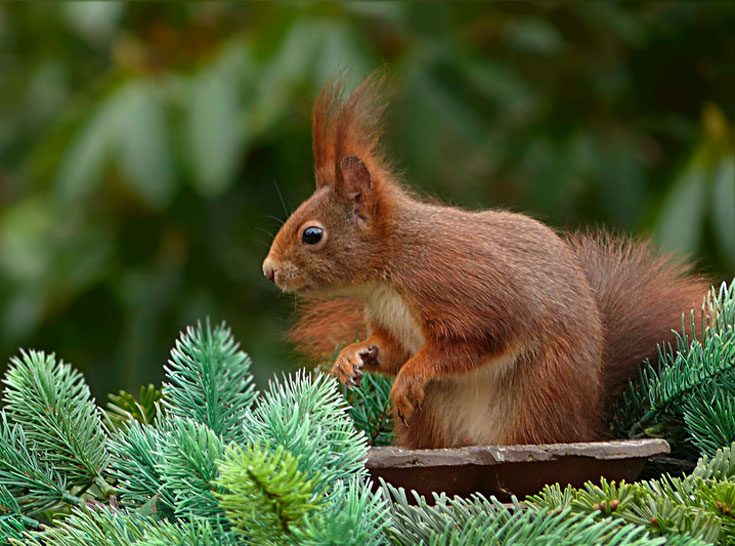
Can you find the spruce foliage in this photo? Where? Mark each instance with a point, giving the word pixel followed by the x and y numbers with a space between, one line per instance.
pixel 370 408
pixel 187 463
pixel 87 525
pixel 208 380
pixel 123 406
pixel 353 515
pixel 135 450
pixel 209 461
pixel 307 415
pixel 59 416
pixel 481 521
pixel 34 485
pixel 264 493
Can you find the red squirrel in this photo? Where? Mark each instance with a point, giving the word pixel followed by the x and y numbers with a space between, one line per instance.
pixel 498 329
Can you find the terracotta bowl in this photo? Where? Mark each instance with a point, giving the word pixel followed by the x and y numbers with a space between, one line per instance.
pixel 511 470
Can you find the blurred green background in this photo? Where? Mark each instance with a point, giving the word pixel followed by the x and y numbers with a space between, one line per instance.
pixel 143 147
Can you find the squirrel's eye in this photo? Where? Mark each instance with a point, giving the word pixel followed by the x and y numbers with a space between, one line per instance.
pixel 312 235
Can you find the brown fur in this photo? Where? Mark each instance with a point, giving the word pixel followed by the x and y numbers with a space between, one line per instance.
pixel 324 325
pixel 641 295
pixel 498 330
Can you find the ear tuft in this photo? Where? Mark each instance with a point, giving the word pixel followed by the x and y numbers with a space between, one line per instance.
pixel 357 179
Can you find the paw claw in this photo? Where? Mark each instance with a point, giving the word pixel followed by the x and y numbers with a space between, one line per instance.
pixel 370 355
pixel 349 364
pixel 407 395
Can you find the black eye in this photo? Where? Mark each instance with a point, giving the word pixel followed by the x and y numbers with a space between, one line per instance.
pixel 312 235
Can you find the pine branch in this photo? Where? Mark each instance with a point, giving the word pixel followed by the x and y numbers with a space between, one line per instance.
pixel 605 498
pixel 134 459
pixel 208 381
pixel 12 521
pixel 59 416
pixel 93 527
pixel 34 485
pixel 671 507
pixel 188 533
pixel 264 493
pixel 720 466
pixel 666 518
pixel 477 520
pixel 685 370
pixel 11 528
pixel 307 415
pixel 188 465
pixel 353 516
pixel 531 527
pixel 123 406
pixel 710 420
pixel 719 499
pixel 370 408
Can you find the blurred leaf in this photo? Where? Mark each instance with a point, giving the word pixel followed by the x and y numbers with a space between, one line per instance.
pixel 680 221
pixel 129 127
pixel 723 207
pixel 21 313
pixel 24 239
pixel 622 179
pixel 95 20
pixel 714 123
pixel 143 143
pixel 341 49
pixel 626 28
pixel 83 166
pixel 499 83
pixel 546 173
pixel 297 52
pixel 440 117
pixel 533 35
pixel 290 64
pixel 45 259
pixel 215 124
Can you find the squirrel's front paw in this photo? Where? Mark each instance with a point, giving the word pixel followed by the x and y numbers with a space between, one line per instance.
pixel 407 394
pixel 349 363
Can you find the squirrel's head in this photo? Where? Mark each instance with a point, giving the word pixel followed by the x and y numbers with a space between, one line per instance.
pixel 335 239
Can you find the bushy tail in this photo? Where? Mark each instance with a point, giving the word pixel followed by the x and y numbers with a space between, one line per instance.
pixel 641 295
pixel 324 325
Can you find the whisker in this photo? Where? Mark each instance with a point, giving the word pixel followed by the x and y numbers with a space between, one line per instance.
pixel 280 196
pixel 276 218
pixel 265 231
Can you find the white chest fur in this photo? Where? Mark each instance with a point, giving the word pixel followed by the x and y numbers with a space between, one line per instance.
pixel 386 307
pixel 477 407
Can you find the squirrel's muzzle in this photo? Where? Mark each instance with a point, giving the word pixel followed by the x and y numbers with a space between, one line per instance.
pixel 269 269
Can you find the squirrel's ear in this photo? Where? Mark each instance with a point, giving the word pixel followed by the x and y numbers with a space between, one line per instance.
pixel 357 185
pixel 355 175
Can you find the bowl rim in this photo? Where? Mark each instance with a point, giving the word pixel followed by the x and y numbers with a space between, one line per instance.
pixel 396 457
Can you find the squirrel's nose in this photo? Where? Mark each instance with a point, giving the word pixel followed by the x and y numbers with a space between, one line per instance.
pixel 269 269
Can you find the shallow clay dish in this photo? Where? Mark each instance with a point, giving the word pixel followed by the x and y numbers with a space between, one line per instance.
pixel 510 470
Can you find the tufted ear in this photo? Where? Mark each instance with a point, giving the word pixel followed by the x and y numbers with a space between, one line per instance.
pixel 355 174
pixel 357 186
